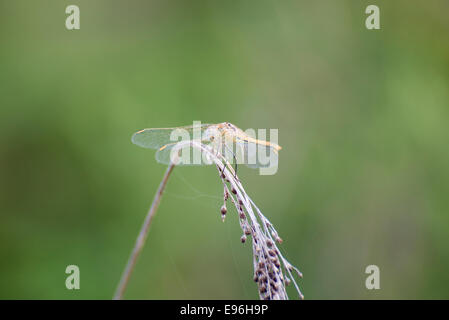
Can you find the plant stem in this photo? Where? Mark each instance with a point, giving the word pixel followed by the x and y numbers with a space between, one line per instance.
pixel 142 236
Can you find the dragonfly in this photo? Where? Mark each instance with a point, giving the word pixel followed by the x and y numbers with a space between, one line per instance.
pixel 225 139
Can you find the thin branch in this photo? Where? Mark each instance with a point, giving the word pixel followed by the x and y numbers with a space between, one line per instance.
pixel 142 236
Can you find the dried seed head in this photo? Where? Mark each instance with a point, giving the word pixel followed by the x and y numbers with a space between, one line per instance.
pixel 270 278
pixel 269 263
pixel 277 264
pixel 223 210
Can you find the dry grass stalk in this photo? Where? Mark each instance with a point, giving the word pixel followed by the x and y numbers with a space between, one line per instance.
pixel 272 272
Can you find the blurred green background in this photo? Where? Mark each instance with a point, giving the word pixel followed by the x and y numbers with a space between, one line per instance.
pixel 362 116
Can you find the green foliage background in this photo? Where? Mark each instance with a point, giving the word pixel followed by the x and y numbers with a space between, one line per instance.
pixel 362 115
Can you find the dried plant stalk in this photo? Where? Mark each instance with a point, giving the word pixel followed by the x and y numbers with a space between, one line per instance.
pixel 142 236
pixel 272 272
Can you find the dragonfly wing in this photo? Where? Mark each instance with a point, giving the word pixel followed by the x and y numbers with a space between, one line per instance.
pixel 181 156
pixel 256 155
pixel 155 138
pixel 152 138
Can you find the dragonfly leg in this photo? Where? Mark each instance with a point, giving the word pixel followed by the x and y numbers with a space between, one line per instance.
pixel 235 160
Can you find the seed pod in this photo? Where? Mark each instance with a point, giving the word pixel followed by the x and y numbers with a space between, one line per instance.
pixel 243 239
pixel 234 191
pixel 223 210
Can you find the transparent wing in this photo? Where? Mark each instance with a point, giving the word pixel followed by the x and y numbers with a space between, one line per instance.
pixel 255 155
pixel 155 138
pixel 181 156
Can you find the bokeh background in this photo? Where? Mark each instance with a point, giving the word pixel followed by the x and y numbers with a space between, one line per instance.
pixel 362 116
